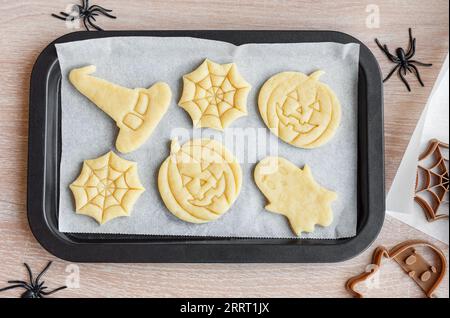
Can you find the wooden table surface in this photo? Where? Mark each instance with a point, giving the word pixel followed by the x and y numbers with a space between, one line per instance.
pixel 27 28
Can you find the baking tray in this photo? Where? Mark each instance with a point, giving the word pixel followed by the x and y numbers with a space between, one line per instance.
pixel 44 154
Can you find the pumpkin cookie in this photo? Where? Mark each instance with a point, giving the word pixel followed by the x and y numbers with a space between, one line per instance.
pixel 294 193
pixel 136 111
pixel 214 95
pixel 106 188
pixel 199 181
pixel 299 109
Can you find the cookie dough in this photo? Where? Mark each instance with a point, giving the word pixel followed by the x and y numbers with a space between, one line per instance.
pixel 299 109
pixel 106 188
pixel 214 95
pixel 294 193
pixel 136 111
pixel 200 180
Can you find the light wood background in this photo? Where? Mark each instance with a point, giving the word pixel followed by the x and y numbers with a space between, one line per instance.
pixel 26 28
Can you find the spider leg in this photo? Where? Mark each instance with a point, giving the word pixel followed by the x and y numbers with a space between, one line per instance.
pixel 404 70
pixel 17 282
pixel 391 73
pixel 411 44
pixel 382 48
pixel 391 56
pixel 95 6
pixel 11 287
pixel 413 69
pixel 91 23
pixel 385 50
pixel 53 291
pixel 58 17
pixel 420 63
pixel 21 283
pixel 412 51
pixel 402 77
pixel 379 44
pixel 86 26
pixel 64 16
pixel 30 274
pixel 36 282
pixel 105 13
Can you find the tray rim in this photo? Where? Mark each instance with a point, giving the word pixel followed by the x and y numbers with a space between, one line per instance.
pixel 215 250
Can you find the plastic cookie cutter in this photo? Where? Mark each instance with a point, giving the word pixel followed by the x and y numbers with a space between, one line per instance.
pixel 432 180
pixel 427 276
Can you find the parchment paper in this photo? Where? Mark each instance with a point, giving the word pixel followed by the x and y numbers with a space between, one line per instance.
pixel 433 123
pixel 88 133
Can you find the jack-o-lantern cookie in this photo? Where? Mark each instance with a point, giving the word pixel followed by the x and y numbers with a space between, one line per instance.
pixel 136 111
pixel 107 187
pixel 299 109
pixel 214 95
pixel 199 181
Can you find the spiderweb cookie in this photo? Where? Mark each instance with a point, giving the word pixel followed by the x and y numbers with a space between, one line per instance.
pixel 214 95
pixel 106 188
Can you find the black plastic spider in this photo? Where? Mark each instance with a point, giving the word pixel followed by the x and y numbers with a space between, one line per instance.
pixel 87 13
pixel 404 61
pixel 35 288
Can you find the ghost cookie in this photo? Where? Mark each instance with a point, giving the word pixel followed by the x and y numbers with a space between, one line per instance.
pixel 299 109
pixel 199 181
pixel 136 111
pixel 294 193
pixel 214 95
pixel 106 188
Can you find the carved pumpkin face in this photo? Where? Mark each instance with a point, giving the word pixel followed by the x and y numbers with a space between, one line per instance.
pixel 199 181
pixel 299 109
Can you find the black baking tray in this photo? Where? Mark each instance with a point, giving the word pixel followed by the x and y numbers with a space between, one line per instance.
pixel 44 153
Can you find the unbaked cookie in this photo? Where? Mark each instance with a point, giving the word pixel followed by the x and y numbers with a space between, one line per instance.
pixel 299 109
pixel 136 111
pixel 106 188
pixel 294 193
pixel 199 181
pixel 214 95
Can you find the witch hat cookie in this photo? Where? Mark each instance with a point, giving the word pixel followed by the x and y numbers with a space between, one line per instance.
pixel 136 111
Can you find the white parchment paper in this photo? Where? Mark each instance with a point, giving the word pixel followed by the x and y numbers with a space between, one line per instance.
pixel 433 123
pixel 88 133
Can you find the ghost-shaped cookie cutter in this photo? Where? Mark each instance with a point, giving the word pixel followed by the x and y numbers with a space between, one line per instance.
pixel 426 276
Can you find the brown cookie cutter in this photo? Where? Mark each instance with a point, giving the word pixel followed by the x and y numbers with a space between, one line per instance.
pixel 432 192
pixel 427 276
